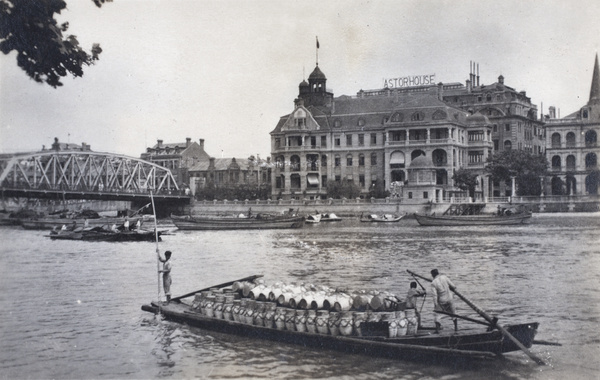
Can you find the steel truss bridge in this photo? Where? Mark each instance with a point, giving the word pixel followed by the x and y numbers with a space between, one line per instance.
pixel 87 175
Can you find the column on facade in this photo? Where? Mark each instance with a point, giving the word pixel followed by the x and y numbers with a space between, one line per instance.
pixel 428 135
pixel 513 188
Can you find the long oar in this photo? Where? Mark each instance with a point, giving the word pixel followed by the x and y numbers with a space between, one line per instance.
pixel 465 318
pixel 156 238
pixel 491 320
pixel 249 278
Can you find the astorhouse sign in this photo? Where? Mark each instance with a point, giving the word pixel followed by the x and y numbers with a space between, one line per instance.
pixel 409 81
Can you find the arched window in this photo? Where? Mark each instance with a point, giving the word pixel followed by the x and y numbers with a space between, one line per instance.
pixel 373 159
pixel 507 145
pixel 397 160
pixel 416 153
pixel 417 116
pixel 361 160
pixel 591 138
pixel 591 160
pixel 397 117
pixel 556 162
pixel 439 157
pixel 295 163
pixel 571 139
pixel 349 160
pixel 361 122
pixel 571 163
pixel 556 140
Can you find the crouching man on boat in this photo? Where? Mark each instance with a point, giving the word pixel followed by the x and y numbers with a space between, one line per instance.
pixel 442 299
pixel 166 271
pixel 411 299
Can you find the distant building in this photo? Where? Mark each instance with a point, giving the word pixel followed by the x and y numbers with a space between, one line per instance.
pixel 177 157
pixel 572 146
pixel 61 146
pixel 230 172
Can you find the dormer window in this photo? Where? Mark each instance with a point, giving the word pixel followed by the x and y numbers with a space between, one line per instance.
pixel 300 118
pixel 417 116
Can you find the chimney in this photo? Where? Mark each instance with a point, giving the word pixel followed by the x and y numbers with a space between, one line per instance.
pixel 202 144
pixel 440 91
pixel 188 141
pixel 160 143
pixel 478 75
pixel 469 86
pixel 552 112
pixel 56 144
pixel 211 165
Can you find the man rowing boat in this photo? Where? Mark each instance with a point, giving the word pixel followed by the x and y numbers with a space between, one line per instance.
pixel 442 298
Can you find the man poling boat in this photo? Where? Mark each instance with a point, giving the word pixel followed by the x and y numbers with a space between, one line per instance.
pixel 491 320
pixel 322 317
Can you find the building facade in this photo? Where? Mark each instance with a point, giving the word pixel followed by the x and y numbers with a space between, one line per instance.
pixel 177 157
pixel 224 172
pixel 374 136
pixel 572 147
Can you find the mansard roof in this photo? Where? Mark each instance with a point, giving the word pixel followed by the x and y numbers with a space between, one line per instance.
pixel 369 112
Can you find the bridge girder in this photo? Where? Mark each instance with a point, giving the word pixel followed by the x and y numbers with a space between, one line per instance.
pixel 85 171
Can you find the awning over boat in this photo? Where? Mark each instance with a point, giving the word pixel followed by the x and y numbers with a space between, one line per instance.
pixel 313 179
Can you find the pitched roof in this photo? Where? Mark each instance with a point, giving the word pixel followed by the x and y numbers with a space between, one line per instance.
pixel 595 88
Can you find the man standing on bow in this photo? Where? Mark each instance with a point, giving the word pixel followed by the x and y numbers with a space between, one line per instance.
pixel 442 298
pixel 166 271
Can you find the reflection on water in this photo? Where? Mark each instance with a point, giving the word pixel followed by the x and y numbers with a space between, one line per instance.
pixel 72 309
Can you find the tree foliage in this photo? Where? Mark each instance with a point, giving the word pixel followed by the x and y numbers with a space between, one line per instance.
pixel 342 189
pixel 230 192
pixel 526 167
pixel 466 180
pixel 44 52
pixel 378 190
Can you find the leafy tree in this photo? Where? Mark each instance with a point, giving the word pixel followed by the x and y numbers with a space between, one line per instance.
pixel 43 52
pixel 466 180
pixel 378 191
pixel 526 167
pixel 342 189
pixel 231 192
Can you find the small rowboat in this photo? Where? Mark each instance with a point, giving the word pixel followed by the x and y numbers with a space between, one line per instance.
pixel 99 234
pixel 359 335
pixel 237 223
pixel 473 220
pixel 385 218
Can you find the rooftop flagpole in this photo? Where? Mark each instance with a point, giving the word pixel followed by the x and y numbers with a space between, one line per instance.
pixel 317 37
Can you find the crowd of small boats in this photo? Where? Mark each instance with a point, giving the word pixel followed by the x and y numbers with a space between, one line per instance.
pixel 285 220
pixel 105 233
pixel 366 322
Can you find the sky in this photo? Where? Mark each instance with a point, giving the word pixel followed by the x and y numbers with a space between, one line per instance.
pixel 225 71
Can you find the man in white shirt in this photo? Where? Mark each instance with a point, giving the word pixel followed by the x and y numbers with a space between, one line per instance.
pixel 442 298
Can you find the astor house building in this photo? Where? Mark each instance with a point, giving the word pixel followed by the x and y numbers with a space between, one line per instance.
pixel 411 136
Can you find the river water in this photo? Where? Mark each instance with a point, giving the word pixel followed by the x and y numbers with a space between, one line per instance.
pixel 71 310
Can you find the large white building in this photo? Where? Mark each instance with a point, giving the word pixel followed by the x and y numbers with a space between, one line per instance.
pixel 374 136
